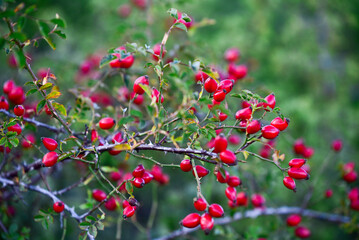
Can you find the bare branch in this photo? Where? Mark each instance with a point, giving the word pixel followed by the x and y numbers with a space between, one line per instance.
pixel 285 210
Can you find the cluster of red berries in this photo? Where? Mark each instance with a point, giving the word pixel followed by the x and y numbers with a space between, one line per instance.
pixel 205 220
pixel 353 196
pixel 295 172
pixel 50 158
pixel 87 69
pixel 301 149
pixel 122 62
pixel 14 93
pixel 300 231
pixel 348 172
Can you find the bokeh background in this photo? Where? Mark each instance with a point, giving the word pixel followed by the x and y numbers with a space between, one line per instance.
pixel 306 52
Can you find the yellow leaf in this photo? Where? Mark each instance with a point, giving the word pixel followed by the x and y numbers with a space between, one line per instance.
pixel 122 147
pixel 245 154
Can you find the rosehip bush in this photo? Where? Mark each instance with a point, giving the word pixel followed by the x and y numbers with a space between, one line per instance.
pixel 152 139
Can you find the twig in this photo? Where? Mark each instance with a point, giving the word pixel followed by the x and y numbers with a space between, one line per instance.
pixel 33 121
pixel 285 210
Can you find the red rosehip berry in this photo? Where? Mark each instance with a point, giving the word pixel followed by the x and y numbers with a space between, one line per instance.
pixel 299 147
pixel 186 165
pixel 28 141
pixel 280 124
pixel 244 114
pixel 354 205
pixel 222 116
pixel 234 139
pixel 253 127
pixel 50 159
pixel 210 85
pixel 17 95
pixel 234 181
pixel 297 162
pixel 231 55
pixel 258 200
pixel 231 194
pixel 201 171
pixel 157 52
pixel 289 183
pixel 111 204
pixel 137 99
pixel 337 145
pixel 293 220
pixel 242 199
pixel 128 212
pixel 4 103
pixel 192 220
pixel 308 152
pixel 302 232
pixel 138 182
pixel 138 171
pixel 298 173
pixel 58 207
pixel 226 85
pixel 206 223
pixel 220 143
pixel 219 95
pixel 328 193
pixel 19 110
pixel 200 204
pixel 216 210
pixel 228 157
pixel 156 94
pixel 270 132
pixel 237 72
pixel 124 10
pixel 353 194
pixel 49 143
pixel 99 195
pixel 141 4
pixel 221 178
pixel 94 135
pixel 106 123
pixel 350 177
pixel 201 76
pixel 116 176
pixel 8 86
pixel 270 99
pixel 147 177
pixel 15 128
pixel 143 80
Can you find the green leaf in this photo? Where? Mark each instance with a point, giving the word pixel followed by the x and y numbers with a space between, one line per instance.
pixel 53 94
pixel 60 34
pixel 40 105
pixel 14 142
pixel 186 18
pixel 31 83
pixel 83 236
pixel 126 120
pixel 31 91
pixel 21 59
pixel 2 42
pixel 93 231
pixel 108 169
pixel 11 134
pixel 46 86
pixel 44 28
pixel 106 59
pixel 2 141
pixel 173 12
pixel 181 26
pixel 30 9
pixel 129 187
pixel 61 108
pixel 20 23
pixel 7 13
pixel 131 47
pixel 84 225
pixel 60 22
pixel 91 218
pixel 136 113
pixel 100 225
pixel 39 218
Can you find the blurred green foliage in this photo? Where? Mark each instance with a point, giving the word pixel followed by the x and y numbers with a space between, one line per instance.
pixel 306 52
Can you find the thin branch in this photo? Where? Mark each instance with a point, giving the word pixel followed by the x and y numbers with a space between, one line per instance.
pixel 44 192
pixel 285 210
pixel 34 122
